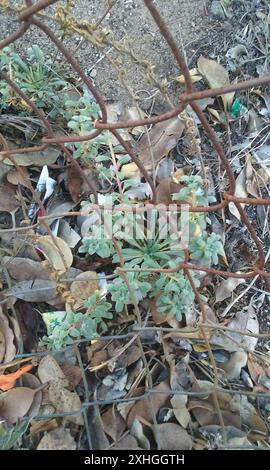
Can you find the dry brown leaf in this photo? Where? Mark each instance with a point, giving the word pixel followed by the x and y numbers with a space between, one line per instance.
pixel 226 288
pixel 245 321
pixel 133 113
pixel 75 182
pixel 157 318
pixel 58 439
pixel 81 289
pixel 29 320
pixel 163 137
pixel 113 423
pixel 138 432
pixel 166 188
pixel 35 291
pixel 23 269
pixel 258 367
pixel 195 77
pixel 68 234
pixel 240 191
pixel 234 365
pixel 15 403
pixel 142 409
pixel 180 410
pixel 31 381
pixel 172 437
pixel 50 371
pixel 66 402
pixel 19 177
pixel 216 76
pixel 2 346
pixel 131 355
pixel 73 374
pixel 56 251
pixel 127 443
pixel 251 180
pixel 205 413
pixel 10 349
pixel 18 340
pixel 8 202
pixel 41 158
pixel 56 209
pixel 259 431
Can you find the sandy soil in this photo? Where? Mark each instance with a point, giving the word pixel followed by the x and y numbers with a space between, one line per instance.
pixel 128 19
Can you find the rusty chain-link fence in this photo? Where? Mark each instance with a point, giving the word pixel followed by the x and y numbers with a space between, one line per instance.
pixel 30 16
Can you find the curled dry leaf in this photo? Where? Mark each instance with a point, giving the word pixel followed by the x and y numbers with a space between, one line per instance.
pixel 2 346
pixel 15 403
pixel 98 436
pixel 56 251
pixel 8 335
pixel 137 431
pixel 162 138
pixel 251 180
pixel 172 437
pixel 226 288
pixel 57 439
pixel 195 77
pixel 240 191
pixel 216 76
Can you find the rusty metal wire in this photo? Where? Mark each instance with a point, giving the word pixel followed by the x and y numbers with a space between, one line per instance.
pixel 29 16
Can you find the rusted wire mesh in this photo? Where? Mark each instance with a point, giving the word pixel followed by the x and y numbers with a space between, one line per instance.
pixel 30 16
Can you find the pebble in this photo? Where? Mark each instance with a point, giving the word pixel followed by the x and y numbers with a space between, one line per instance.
pixel 217 10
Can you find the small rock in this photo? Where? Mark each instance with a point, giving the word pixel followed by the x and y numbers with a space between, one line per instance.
pixel 217 10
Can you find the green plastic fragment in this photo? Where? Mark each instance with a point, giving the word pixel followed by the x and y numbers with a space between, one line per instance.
pixel 237 108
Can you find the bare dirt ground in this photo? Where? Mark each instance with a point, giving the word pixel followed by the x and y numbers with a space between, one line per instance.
pixel 129 20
